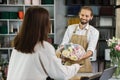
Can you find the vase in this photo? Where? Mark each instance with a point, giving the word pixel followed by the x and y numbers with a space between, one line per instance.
pixel 115 61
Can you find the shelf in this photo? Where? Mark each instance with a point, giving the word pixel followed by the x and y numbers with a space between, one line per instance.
pixel 71 16
pixel 9 25
pixel 8 34
pixel 20 5
pixel 11 20
pixel 94 15
pixel 12 5
pixel 6 48
pixel 90 5
pixel 90 2
pixel 105 27
pixel 42 5
pixel 104 15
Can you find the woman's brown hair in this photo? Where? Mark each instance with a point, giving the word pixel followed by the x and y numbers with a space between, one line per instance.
pixel 34 29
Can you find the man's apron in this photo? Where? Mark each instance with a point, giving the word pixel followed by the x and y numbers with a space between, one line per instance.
pixel 82 40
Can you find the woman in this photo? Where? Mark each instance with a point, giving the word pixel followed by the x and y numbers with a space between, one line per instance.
pixel 33 58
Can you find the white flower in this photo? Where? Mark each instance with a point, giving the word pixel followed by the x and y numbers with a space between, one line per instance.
pixel 66 53
pixel 73 57
pixel 70 49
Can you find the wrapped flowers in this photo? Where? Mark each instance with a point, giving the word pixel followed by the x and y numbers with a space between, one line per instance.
pixel 71 53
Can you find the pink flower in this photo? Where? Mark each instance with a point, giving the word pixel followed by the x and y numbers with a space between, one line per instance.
pixel 117 47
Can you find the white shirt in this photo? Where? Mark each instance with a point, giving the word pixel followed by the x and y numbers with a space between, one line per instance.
pixel 28 67
pixel 92 35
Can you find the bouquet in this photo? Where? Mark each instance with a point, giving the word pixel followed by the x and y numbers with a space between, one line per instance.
pixel 114 45
pixel 71 53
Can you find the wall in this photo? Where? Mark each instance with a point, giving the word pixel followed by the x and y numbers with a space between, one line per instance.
pixel 118 20
pixel 60 20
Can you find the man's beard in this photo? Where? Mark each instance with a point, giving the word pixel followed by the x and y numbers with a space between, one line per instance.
pixel 83 23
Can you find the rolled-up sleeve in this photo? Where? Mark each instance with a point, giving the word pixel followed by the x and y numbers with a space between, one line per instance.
pixel 93 39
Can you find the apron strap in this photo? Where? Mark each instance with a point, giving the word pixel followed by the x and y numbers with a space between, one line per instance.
pixel 76 29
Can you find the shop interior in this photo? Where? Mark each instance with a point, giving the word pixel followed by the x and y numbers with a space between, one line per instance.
pixel 63 13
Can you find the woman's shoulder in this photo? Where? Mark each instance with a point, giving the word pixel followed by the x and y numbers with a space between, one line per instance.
pixel 45 45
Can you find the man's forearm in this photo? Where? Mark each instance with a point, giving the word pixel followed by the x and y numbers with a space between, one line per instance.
pixel 87 54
